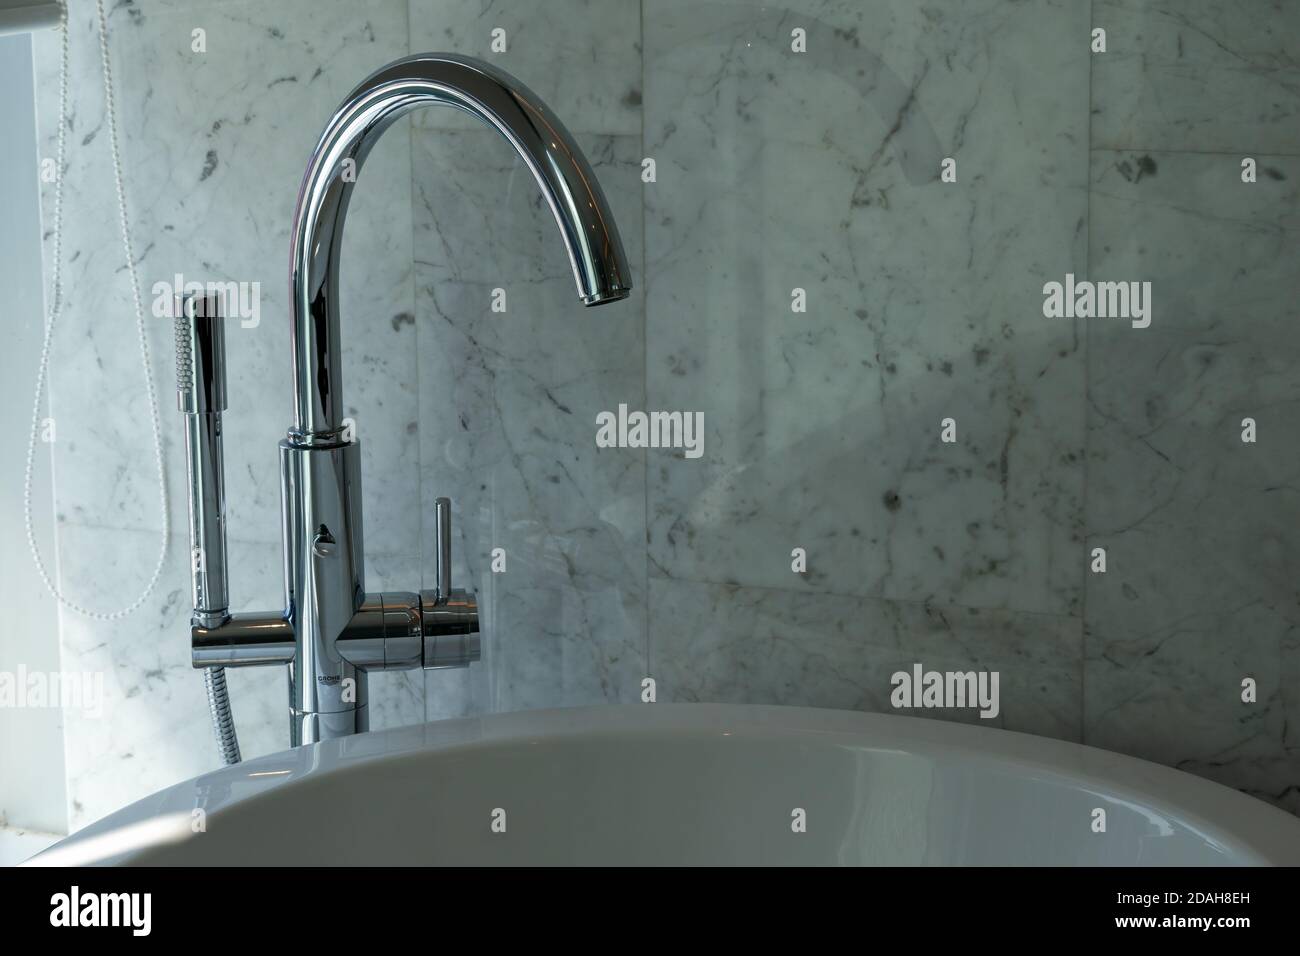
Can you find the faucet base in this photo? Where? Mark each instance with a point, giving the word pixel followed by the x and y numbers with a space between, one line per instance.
pixel 313 728
pixel 310 727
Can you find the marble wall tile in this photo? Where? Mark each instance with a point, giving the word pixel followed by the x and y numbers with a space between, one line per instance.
pixel 582 57
pixel 1200 585
pixel 1200 75
pixel 508 405
pixel 721 643
pixel 214 146
pixel 820 171
pixel 153 729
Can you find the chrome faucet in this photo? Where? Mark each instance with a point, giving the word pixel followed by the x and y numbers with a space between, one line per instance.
pixel 331 631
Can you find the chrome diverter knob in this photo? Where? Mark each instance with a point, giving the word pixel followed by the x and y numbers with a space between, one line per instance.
pixel 451 636
pixel 397 630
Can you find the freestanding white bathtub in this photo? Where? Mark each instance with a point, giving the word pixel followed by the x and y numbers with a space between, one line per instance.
pixel 691 784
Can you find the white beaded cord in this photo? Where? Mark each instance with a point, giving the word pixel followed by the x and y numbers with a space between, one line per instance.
pixel 56 299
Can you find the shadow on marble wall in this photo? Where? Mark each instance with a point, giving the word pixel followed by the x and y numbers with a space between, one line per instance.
pixel 761 646
pixel 823 427
pixel 1199 526
pixel 508 405
pixel 582 57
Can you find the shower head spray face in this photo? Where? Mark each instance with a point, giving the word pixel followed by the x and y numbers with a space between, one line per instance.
pixel 200 354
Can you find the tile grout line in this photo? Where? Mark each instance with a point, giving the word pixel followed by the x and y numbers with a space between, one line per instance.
pixel 1175 150
pixel 1087 415
pixel 645 368
pixel 415 323
pixel 864 598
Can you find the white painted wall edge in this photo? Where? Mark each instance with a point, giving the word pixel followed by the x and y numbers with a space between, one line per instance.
pixel 33 793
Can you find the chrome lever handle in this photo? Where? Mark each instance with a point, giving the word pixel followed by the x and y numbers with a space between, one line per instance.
pixel 396 630
pixel 442 559
pixel 449 616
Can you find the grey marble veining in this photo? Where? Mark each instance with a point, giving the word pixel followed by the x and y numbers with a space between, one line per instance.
pixel 1198 75
pixel 152 728
pixel 582 57
pixel 1199 526
pixel 780 170
pixel 769 646
pixel 214 146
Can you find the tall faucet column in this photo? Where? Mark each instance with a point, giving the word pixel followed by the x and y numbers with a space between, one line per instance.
pixel 325 578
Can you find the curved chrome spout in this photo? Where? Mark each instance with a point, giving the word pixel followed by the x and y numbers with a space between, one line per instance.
pixel 566 180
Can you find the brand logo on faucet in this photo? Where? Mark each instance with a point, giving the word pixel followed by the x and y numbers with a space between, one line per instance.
pixel 946 689
pixel 684 430
pixel 237 300
pixel 1102 300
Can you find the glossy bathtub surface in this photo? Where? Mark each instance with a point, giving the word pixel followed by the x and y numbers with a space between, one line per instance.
pixel 692 784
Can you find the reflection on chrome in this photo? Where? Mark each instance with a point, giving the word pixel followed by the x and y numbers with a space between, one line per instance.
pixel 331 632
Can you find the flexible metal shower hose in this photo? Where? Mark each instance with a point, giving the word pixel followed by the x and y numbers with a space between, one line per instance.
pixel 223 722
